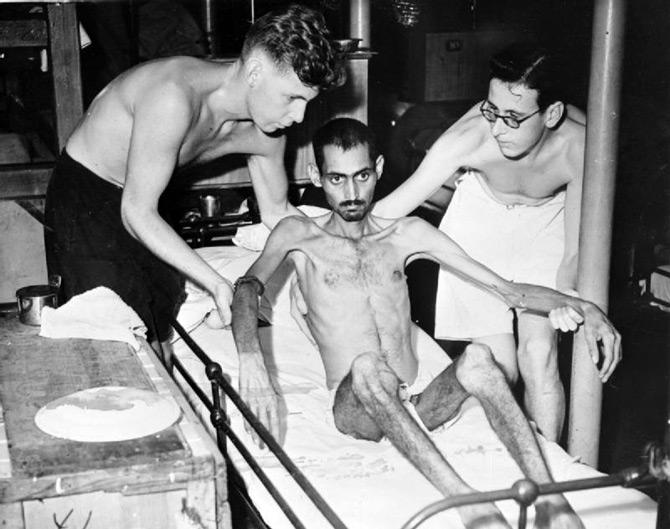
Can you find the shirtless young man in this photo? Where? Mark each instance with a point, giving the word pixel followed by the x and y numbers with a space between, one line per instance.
pixel 102 201
pixel 515 161
pixel 350 269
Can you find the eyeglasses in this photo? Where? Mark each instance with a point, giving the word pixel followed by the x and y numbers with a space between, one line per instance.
pixel 510 121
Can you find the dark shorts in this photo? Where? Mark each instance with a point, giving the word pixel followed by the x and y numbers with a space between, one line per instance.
pixel 88 246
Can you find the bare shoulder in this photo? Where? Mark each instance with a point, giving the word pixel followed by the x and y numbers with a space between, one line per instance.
pixel 573 137
pixel 465 139
pixel 404 226
pixel 576 115
pixel 168 78
pixel 299 226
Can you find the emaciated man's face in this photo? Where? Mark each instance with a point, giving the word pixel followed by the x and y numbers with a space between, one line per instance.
pixel 349 179
pixel 518 101
pixel 278 99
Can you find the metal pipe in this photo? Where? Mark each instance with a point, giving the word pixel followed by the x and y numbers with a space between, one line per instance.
pixel 525 492
pixel 359 21
pixel 209 23
pixel 596 219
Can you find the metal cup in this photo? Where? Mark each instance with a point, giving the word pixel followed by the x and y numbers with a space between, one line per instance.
pixel 210 205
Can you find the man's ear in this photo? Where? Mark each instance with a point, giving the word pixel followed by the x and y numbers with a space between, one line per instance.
pixel 554 114
pixel 379 166
pixel 314 174
pixel 253 68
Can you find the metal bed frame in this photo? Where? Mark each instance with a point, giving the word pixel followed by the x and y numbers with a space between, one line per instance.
pixel 524 492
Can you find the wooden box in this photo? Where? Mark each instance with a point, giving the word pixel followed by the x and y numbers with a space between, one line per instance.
pixel 172 479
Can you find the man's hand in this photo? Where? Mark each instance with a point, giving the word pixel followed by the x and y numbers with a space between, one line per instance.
pixel 259 393
pixel 223 297
pixel 566 318
pixel 601 338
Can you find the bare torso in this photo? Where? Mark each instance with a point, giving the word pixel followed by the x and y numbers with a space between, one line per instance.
pixel 357 299
pixel 101 140
pixel 532 179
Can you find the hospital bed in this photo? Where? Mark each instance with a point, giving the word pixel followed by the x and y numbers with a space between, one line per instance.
pixel 319 478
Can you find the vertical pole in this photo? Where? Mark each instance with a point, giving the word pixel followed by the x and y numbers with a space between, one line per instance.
pixel 359 21
pixel 596 218
pixel 65 69
pixel 209 23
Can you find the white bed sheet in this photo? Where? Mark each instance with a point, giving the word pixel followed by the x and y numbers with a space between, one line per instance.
pixel 371 485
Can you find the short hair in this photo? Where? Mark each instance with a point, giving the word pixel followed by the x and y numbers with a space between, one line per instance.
pixel 345 133
pixel 297 37
pixel 531 66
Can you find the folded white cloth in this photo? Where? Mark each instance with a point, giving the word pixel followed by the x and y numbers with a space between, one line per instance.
pixel 98 314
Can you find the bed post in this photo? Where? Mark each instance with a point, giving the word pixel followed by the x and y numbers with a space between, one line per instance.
pixel 596 219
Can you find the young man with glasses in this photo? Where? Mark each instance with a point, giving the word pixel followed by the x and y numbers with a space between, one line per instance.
pixel 515 165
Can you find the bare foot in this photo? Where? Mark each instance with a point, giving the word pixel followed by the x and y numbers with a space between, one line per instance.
pixel 554 512
pixel 483 516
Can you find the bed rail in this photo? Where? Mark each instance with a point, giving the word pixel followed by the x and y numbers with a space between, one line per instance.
pixel 219 421
pixel 524 491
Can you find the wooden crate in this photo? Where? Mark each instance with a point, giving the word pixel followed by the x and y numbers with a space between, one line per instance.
pixel 172 479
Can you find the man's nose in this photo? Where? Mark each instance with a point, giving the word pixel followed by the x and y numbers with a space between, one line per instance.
pixel 298 112
pixel 498 126
pixel 351 189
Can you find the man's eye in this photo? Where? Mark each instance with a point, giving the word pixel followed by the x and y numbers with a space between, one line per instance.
pixel 363 176
pixel 335 179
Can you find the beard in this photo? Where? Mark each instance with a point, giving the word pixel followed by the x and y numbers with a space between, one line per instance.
pixel 353 214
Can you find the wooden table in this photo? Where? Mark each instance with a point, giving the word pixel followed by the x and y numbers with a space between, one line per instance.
pixel 172 479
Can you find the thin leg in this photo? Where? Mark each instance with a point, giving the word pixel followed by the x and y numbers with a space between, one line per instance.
pixel 544 397
pixel 373 395
pixel 479 375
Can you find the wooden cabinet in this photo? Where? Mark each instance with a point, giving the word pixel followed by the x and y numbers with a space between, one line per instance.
pixel 172 479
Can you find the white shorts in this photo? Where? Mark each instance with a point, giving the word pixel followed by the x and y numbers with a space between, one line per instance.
pixel 520 243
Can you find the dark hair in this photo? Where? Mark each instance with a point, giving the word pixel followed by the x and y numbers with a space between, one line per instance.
pixel 532 66
pixel 297 37
pixel 345 133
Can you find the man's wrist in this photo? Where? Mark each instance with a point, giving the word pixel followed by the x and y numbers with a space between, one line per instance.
pixel 253 280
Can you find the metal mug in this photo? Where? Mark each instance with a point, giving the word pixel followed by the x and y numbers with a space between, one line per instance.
pixel 210 205
pixel 32 299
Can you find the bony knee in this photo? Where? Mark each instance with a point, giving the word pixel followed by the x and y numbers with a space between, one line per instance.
pixel 537 348
pixel 476 366
pixel 371 375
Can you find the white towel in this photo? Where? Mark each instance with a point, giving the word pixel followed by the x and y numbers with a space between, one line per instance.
pixel 98 314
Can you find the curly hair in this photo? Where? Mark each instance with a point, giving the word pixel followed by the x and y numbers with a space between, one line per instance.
pixel 297 37
pixel 345 133
pixel 532 66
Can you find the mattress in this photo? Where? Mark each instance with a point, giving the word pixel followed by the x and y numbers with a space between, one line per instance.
pixel 369 485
